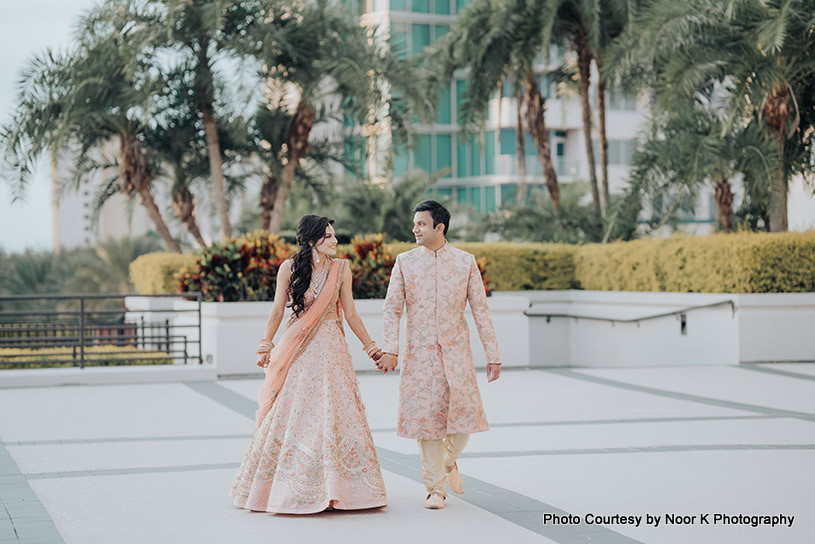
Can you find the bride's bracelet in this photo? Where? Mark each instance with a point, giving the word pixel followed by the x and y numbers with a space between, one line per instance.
pixel 265 346
pixel 370 348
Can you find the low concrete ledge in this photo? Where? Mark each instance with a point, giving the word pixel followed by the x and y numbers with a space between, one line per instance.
pixel 96 375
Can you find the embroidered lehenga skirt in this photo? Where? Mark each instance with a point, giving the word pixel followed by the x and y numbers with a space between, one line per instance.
pixel 313 448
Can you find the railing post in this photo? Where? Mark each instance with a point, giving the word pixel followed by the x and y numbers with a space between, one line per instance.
pixel 200 343
pixel 81 332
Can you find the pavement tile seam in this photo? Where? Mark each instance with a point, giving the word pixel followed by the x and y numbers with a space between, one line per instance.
pixel 567 423
pixel 405 465
pixel 126 439
pixel 30 521
pixel 710 401
pixel 776 371
pixel 638 449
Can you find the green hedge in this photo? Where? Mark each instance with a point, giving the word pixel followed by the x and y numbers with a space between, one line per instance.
pixel 154 273
pixel 720 263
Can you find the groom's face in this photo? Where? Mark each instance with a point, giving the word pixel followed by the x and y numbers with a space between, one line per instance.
pixel 424 231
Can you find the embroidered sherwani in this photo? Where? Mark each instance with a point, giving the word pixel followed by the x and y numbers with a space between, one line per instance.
pixel 438 393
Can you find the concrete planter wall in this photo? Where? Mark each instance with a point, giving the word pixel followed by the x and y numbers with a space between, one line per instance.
pixel 231 332
pixel 763 327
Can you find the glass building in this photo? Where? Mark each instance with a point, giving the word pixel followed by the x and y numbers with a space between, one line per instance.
pixel 483 171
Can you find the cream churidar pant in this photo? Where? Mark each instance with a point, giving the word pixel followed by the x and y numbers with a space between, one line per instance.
pixel 438 454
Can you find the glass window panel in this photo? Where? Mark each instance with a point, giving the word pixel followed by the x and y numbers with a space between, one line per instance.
pixel 420 34
pixel 444 192
pixel 420 6
pixel 508 144
pixel 422 155
pixel 461 88
pixel 461 4
pixel 489 153
pixel 461 158
pixel 508 193
pixel 529 145
pixel 400 161
pixel 475 158
pixel 508 90
pixel 439 31
pixel 444 153
pixel 442 7
pixel 398 5
pixel 489 204
pixel 461 195
pixel 475 198
pixel 444 113
pixel 399 40
pixel 559 149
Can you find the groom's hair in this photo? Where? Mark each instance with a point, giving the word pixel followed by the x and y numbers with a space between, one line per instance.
pixel 438 212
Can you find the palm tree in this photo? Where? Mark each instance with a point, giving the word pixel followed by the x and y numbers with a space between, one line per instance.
pixel 202 30
pixel 497 42
pixel 759 51
pixel 267 142
pixel 686 149
pixel 317 55
pixel 94 95
pixel 35 126
pixel 113 88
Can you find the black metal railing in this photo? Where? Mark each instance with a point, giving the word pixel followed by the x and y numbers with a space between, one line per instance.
pixel 98 330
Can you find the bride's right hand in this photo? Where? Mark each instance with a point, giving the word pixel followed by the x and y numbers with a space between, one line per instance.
pixel 263 360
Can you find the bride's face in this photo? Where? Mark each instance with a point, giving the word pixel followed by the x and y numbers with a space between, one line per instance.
pixel 328 244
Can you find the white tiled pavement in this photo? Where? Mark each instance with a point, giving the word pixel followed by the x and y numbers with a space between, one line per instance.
pixel 152 463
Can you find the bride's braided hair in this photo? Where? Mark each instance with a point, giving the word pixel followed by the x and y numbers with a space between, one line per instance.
pixel 310 230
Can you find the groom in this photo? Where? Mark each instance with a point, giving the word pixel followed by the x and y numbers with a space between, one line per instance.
pixel 439 402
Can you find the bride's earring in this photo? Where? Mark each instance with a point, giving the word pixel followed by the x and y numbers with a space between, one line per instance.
pixel 316 255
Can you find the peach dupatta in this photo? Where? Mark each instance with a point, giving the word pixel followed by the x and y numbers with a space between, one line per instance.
pixel 299 332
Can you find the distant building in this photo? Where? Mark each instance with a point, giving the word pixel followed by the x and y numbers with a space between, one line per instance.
pixel 484 174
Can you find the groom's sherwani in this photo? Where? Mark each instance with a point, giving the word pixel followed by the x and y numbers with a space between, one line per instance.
pixel 438 393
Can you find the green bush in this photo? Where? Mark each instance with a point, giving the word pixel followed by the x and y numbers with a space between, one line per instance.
pixel 720 263
pixel 154 273
pixel 238 269
pixel 94 356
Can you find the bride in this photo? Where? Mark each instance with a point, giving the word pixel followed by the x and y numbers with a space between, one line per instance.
pixel 312 449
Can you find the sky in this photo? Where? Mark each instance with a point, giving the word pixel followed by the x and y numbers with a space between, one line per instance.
pixel 26 28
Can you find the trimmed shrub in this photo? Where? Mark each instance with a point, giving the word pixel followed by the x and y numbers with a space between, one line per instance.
pixel 153 273
pixel 238 269
pixel 720 263
pixel 94 356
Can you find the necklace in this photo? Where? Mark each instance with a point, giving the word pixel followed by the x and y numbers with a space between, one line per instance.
pixel 318 280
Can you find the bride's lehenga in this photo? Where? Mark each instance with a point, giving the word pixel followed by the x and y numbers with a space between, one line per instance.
pixel 313 448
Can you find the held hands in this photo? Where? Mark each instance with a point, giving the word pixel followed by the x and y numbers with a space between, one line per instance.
pixel 386 362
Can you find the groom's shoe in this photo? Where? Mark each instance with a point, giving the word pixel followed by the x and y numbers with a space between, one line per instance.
pixel 454 481
pixel 434 502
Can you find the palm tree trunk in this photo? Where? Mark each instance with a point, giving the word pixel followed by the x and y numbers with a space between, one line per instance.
pixel 184 207
pixel 776 112
pixel 296 142
pixel 54 201
pixel 137 177
pixel 723 194
pixel 268 192
pixel 603 137
pixel 536 121
pixel 520 139
pixel 584 68
pixel 216 169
